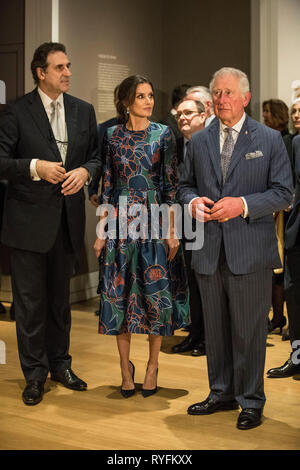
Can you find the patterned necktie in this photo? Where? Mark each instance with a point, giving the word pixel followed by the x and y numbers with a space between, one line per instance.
pixel 186 149
pixel 227 152
pixel 58 129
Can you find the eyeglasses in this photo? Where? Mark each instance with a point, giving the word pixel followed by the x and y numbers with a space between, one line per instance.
pixel 186 112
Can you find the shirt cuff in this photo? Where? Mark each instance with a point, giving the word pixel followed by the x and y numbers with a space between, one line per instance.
pixel 245 213
pixel 190 206
pixel 33 173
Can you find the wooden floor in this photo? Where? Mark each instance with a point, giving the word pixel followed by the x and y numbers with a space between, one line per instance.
pixel 101 419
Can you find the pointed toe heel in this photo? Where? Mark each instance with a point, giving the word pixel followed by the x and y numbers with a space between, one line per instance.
pixel 146 392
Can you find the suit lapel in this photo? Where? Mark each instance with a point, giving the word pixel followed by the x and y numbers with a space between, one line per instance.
pixel 71 122
pixel 243 143
pixel 214 147
pixel 40 118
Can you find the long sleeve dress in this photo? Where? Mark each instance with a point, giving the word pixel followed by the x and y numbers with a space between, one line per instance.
pixel 140 290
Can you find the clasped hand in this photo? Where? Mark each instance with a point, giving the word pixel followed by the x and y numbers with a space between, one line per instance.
pixel 204 209
pixel 54 173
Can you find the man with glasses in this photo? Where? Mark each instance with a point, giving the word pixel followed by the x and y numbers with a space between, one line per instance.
pixel 202 93
pixel 48 151
pixel 190 116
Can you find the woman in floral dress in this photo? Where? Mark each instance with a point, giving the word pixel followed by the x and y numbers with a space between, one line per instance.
pixel 143 286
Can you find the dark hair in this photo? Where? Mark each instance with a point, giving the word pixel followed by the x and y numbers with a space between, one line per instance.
pixel 40 56
pixel 280 113
pixel 126 94
pixel 179 93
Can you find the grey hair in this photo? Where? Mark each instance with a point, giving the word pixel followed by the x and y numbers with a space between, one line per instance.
pixel 199 105
pixel 203 91
pixel 241 76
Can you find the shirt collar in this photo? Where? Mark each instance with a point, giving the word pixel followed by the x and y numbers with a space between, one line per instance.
pixel 46 100
pixel 237 127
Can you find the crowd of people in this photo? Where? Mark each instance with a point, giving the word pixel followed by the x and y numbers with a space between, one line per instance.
pixel 237 178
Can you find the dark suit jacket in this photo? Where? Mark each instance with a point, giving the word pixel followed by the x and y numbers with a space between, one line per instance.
pixel 33 209
pixel 102 128
pixel 292 236
pixel 265 182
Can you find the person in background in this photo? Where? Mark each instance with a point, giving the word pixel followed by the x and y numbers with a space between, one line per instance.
pixel 202 94
pixel 178 93
pixel 190 118
pixel 144 288
pixel 295 127
pixel 48 152
pixel 93 187
pixel 291 368
pixel 236 175
pixel 276 116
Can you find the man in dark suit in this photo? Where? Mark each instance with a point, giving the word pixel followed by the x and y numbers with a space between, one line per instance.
pixel 93 188
pixel 291 368
pixel 190 118
pixel 48 151
pixel 237 174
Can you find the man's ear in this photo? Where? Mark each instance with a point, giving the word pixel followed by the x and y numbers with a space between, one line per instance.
pixel 203 117
pixel 41 73
pixel 247 98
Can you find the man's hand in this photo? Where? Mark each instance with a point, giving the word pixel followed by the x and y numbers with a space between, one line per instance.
pixel 227 208
pixel 94 200
pixel 74 181
pixel 201 209
pixel 53 172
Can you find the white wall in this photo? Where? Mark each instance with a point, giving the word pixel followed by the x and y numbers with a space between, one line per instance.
pixel 288 47
pixel 279 43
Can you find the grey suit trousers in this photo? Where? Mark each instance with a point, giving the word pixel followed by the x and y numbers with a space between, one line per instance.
pixel 235 309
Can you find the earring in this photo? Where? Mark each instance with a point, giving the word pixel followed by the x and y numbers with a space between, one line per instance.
pixel 127 110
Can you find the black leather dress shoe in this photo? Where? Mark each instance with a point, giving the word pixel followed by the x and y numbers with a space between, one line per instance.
pixel 210 406
pixel 2 308
pixel 33 392
pixel 287 370
pixel 249 418
pixel 187 344
pixel 198 350
pixel 69 380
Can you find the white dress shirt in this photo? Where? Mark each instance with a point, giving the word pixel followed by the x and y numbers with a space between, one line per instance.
pixel 237 129
pixel 46 100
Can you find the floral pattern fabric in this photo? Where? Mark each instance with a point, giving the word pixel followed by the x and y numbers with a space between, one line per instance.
pixel 140 290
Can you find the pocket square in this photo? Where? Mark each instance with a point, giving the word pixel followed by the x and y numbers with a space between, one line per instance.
pixel 251 155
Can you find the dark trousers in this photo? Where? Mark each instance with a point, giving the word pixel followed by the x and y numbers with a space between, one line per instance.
pixel 235 311
pixel 292 291
pixel 197 324
pixel 41 289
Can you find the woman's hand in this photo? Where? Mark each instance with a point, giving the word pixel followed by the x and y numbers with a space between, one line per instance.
pixel 99 245
pixel 172 247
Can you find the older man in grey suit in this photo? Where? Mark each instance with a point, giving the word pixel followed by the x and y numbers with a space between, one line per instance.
pixel 237 174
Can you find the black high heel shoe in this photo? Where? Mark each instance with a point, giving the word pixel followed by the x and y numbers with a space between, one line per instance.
pixel 147 392
pixel 129 393
pixel 279 324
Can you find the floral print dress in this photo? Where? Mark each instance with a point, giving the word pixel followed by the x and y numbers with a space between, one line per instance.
pixel 140 290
